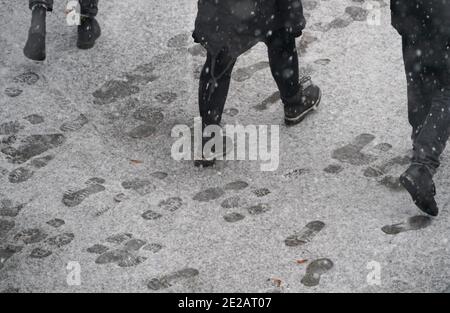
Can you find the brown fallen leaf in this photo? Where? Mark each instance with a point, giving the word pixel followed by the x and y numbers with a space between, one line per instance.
pixel 277 282
pixel 67 11
pixel 135 162
pixel 302 261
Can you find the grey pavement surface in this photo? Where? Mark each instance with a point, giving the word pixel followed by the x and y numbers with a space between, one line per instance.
pixel 88 182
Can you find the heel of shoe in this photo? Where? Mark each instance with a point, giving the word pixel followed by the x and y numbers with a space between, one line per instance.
pixel 85 45
pixel 409 186
pixel 425 204
pixel 296 120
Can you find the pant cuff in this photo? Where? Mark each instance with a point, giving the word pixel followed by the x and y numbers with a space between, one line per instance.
pixel 429 167
pixel 429 161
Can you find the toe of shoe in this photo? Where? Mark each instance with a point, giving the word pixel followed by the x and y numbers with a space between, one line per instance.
pixel 427 205
pixel 431 208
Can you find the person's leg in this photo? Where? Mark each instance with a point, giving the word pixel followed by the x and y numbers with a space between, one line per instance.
pixel 419 84
pixel 214 85
pixel 213 91
pixel 433 126
pixel 432 138
pixel 283 58
pixel 89 30
pixel 299 97
pixel 35 46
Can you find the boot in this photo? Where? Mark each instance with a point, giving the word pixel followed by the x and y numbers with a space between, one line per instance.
pixel 418 181
pixel 88 32
pixel 306 100
pixel 208 160
pixel 35 46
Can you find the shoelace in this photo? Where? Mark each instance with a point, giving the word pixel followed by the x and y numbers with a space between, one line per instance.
pixel 305 82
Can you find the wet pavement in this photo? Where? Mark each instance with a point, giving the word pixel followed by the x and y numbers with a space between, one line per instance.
pixel 91 199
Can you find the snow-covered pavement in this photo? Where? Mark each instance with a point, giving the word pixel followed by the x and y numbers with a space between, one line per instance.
pixel 91 199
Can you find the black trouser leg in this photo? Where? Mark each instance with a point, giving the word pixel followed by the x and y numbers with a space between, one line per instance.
pixel 47 3
pixel 429 100
pixel 35 46
pixel 214 85
pixel 283 59
pixel 419 85
pixel 216 75
pixel 432 139
pixel 89 7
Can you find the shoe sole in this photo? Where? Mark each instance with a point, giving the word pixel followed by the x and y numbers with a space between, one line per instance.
pixel 301 117
pixel 204 163
pixel 85 45
pixel 209 162
pixel 223 155
pixel 412 190
pixel 34 57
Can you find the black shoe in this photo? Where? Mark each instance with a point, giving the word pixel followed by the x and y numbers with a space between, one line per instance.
pixel 418 181
pixel 307 100
pixel 35 47
pixel 208 160
pixel 88 32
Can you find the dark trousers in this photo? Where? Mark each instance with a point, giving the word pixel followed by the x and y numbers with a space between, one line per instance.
pixel 88 7
pixel 216 75
pixel 427 66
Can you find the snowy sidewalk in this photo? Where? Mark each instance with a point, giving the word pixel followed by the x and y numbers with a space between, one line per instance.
pixel 88 184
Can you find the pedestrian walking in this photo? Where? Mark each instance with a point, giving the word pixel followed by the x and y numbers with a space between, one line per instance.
pixel 227 29
pixel 425 29
pixel 88 30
